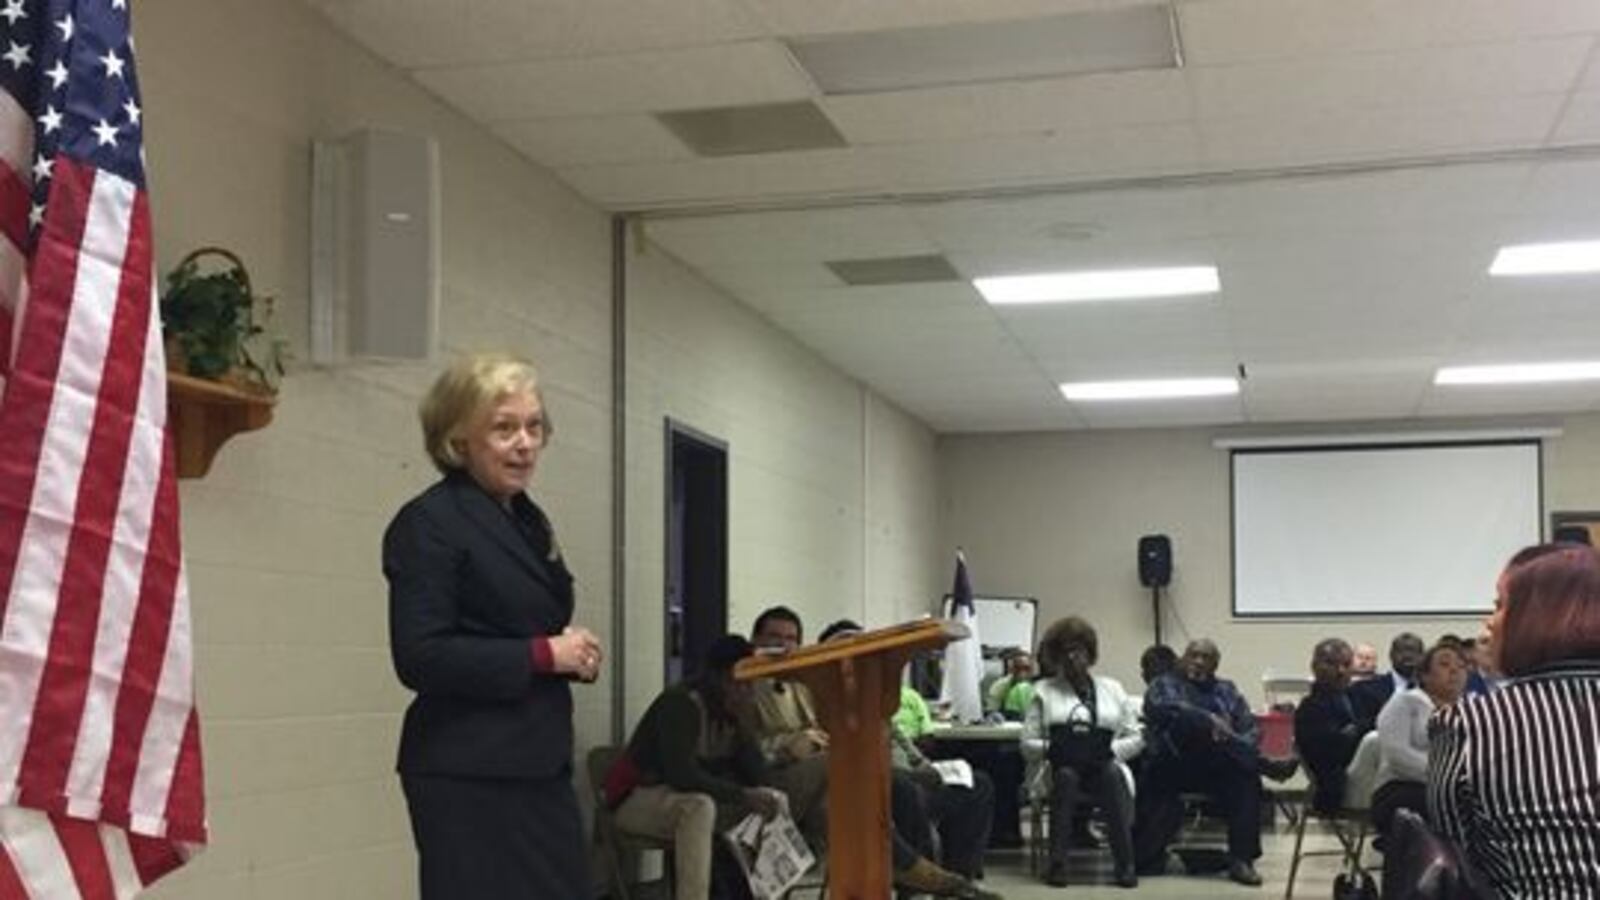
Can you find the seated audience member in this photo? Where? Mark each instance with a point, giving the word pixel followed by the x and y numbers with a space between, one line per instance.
pixel 1010 693
pixel 1093 711
pixel 913 718
pixel 688 772
pixel 1325 728
pixel 961 814
pixel 1369 696
pixel 1363 662
pixel 1201 736
pixel 1155 661
pixel 1403 735
pixel 1466 649
pixel 782 717
pixel 1513 777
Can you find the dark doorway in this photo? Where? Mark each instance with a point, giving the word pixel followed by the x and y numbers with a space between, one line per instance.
pixel 697 547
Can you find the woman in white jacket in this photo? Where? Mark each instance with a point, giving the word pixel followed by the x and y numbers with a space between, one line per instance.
pixel 1095 714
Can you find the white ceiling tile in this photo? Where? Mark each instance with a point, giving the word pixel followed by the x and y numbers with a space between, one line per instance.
pixel 1112 152
pixel 1224 31
pixel 593 141
pixel 1308 139
pixel 424 33
pixel 1423 77
pixel 701 181
pixel 652 81
pixel 818 235
pixel 1580 123
pixel 1071 222
pixel 1018 107
pixel 1497 400
pixel 1301 392
pixel 795 18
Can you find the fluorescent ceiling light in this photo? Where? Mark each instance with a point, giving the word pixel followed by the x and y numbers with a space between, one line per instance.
pixel 1562 258
pixel 1108 284
pixel 1079 43
pixel 1150 389
pixel 1525 373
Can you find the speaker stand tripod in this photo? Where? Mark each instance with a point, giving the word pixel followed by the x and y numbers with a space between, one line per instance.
pixel 1155 609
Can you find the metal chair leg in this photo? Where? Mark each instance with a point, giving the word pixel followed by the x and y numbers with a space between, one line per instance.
pixel 1294 861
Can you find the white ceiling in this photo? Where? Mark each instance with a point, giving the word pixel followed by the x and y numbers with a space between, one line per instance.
pixel 1318 151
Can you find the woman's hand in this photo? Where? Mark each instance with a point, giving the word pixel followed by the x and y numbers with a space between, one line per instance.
pixel 576 651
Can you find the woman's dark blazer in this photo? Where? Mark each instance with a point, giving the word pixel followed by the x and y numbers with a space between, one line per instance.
pixel 470 585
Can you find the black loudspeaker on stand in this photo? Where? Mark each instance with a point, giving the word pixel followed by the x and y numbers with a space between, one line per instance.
pixel 1155 571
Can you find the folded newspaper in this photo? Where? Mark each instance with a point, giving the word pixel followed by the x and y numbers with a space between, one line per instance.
pixel 772 853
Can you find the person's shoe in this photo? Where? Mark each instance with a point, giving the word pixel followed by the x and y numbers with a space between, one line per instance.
pixel 1242 872
pixel 925 877
pixel 1126 877
pixel 1280 769
pixel 1056 875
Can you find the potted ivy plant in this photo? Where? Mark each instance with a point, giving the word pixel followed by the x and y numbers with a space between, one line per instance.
pixel 215 327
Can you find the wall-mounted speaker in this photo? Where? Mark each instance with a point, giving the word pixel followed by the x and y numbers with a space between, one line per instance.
pixel 1155 560
pixel 374 247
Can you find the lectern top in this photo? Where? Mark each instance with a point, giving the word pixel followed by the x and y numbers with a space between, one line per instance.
pixel 907 637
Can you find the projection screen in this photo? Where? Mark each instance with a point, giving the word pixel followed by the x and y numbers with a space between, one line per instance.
pixel 1364 530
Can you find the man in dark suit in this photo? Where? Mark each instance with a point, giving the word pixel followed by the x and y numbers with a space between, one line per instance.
pixel 1325 727
pixel 1200 736
pixel 1369 696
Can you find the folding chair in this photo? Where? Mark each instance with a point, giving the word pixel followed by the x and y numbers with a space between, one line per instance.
pixel 1351 823
pixel 617 846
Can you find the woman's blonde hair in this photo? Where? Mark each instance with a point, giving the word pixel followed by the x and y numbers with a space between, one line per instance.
pixel 465 390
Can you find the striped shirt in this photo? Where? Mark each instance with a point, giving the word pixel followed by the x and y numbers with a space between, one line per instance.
pixel 1514 778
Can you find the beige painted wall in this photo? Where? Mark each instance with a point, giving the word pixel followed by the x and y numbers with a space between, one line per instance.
pixel 831 499
pixel 831 486
pixel 1058 516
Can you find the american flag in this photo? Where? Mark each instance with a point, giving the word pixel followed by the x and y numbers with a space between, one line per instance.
pixel 100 778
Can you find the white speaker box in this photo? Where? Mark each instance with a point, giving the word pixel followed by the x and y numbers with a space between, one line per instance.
pixel 374 247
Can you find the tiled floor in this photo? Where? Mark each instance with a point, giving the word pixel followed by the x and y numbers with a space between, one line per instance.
pixel 1007 874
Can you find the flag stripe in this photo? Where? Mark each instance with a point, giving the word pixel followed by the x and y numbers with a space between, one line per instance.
pixel 125 880
pixel 86 856
pixel 164 732
pixel 11 886
pixel 123 573
pixel 35 522
pixel 147 647
pixel 31 842
pixel 64 683
pixel 16 135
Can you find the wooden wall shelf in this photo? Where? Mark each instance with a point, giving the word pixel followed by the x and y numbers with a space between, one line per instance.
pixel 205 414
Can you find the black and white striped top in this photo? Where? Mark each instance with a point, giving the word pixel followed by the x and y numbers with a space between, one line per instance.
pixel 1514 778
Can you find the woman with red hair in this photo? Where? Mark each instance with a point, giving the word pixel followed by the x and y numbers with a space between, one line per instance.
pixel 1514 776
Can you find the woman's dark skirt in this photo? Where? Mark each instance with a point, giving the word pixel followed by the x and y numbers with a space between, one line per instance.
pixel 484 838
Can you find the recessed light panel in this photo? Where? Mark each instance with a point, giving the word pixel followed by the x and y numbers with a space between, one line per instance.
pixel 880 270
pixel 1522 373
pixel 1149 389
pixel 1102 40
pixel 1105 284
pixel 1564 258
pixel 764 128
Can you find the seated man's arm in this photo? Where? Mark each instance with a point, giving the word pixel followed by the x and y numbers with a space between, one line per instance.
pixel 679 741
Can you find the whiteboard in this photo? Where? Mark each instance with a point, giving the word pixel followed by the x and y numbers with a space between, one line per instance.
pixel 1003 621
pixel 1407 529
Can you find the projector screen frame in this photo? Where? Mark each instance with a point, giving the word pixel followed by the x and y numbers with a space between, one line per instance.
pixel 1360 447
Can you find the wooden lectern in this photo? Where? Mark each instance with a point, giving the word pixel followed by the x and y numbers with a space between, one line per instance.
pixel 856 683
